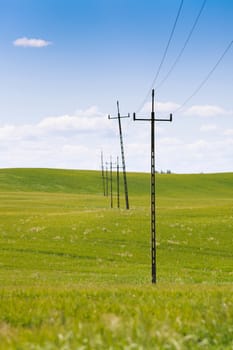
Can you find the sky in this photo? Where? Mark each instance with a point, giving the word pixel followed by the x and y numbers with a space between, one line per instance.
pixel 65 63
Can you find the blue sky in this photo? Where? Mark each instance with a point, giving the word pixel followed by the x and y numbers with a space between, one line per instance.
pixel 55 94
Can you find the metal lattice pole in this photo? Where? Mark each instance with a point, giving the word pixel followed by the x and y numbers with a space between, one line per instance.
pixel 153 217
pixel 153 186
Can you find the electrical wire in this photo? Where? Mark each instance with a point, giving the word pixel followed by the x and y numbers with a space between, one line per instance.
pixel 164 55
pixel 203 82
pixel 183 48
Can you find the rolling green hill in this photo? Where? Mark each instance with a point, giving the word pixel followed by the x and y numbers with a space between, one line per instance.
pixel 75 274
pixel 89 182
pixel 50 180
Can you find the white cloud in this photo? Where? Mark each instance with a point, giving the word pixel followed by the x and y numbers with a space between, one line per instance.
pixel 75 123
pixel 206 111
pixel 208 127
pixel 26 42
pixel 88 121
pixel 68 141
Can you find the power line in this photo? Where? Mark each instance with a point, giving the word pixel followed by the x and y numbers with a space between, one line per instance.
pixel 206 78
pixel 164 55
pixel 183 48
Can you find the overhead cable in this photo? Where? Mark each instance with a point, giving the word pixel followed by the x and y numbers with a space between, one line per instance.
pixel 164 55
pixel 183 48
pixel 203 82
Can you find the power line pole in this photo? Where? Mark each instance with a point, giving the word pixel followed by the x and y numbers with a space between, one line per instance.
pixel 111 182
pixel 153 189
pixel 117 167
pixel 106 177
pixel 102 172
pixel 118 184
pixel 119 117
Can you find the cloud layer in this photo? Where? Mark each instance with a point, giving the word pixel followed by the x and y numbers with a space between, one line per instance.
pixel 75 141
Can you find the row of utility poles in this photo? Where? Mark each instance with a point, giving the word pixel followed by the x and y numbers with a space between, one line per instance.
pixel 107 177
pixel 152 119
pixel 119 117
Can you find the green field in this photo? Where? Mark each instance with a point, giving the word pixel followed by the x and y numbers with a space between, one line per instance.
pixel 75 274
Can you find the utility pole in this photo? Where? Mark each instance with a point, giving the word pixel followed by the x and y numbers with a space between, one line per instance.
pixel 111 182
pixel 118 184
pixel 106 177
pixel 117 167
pixel 153 189
pixel 102 171
pixel 110 179
pixel 119 117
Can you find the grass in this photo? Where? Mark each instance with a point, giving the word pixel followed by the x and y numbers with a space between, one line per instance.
pixel 75 274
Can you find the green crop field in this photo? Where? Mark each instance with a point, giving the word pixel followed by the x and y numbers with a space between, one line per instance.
pixel 76 274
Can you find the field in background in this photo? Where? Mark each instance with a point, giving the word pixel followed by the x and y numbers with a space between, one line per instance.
pixel 75 274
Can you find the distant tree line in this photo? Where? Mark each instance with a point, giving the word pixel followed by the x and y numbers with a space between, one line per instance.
pixel 164 171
